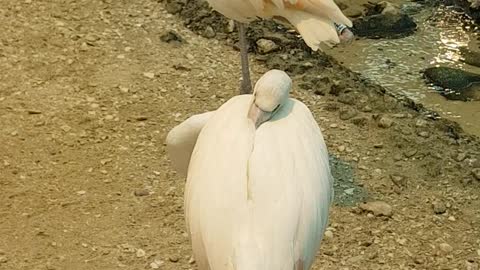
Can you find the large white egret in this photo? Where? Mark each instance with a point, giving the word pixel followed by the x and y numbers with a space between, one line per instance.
pixel 313 19
pixel 259 187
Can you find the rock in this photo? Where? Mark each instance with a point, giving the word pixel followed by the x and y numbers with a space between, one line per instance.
pixel 445 248
pixel 385 122
pixel 419 260
pixel 3 259
pixel 141 192
pixel 149 75
pixel 454 84
pixel 328 234
pixel 460 157
pixel 439 207
pixel 389 9
pixel 172 37
pixel 424 134
pixel 384 26
pixel 470 57
pixel 399 180
pixel 156 264
pixel 174 258
pixel 476 173
pixel 208 32
pixel 191 260
pixel 378 208
pixel 265 46
pixel 140 253
pixel 347 113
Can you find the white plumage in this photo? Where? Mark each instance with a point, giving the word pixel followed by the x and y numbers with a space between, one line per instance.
pixel 313 19
pixel 259 186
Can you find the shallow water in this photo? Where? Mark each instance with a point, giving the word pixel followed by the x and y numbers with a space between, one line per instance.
pixel 396 63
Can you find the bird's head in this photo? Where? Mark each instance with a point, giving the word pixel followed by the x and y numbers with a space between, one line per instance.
pixel 270 94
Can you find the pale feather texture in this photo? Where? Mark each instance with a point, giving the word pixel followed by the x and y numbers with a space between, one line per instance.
pixel 181 141
pixel 313 19
pixel 258 199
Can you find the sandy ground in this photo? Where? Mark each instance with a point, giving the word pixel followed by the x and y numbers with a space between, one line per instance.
pixel 88 93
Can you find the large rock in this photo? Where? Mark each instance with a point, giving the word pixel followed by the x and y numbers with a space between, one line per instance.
pixel 456 84
pixel 470 57
pixel 384 20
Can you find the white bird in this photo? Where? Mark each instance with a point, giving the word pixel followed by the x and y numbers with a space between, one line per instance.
pixel 313 19
pixel 259 186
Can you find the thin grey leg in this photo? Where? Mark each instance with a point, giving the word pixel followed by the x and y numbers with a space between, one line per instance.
pixel 246 86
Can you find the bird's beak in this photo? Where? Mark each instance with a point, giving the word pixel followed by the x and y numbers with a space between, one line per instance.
pixel 257 115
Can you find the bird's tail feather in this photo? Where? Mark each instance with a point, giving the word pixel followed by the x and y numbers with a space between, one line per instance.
pixel 315 30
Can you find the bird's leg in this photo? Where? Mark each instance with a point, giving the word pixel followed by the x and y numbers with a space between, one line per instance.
pixel 246 86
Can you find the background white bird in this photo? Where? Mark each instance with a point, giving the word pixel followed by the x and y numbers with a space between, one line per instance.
pixel 313 19
pixel 259 185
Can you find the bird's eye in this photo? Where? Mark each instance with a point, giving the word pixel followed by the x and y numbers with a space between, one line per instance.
pixel 276 108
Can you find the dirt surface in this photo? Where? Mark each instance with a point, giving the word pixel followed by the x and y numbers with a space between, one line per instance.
pixel 88 92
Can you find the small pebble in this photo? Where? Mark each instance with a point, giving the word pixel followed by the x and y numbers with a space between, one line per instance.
pixel 156 264
pixel 141 193
pixel 424 134
pixel 140 253
pixel 174 259
pixel 385 122
pixel 445 248
pixel 266 46
pixel 439 207
pixel 328 234
pixel 149 75
pixel 378 208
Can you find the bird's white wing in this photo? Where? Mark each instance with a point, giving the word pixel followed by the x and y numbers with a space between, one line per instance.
pixel 291 187
pixel 215 193
pixel 182 138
